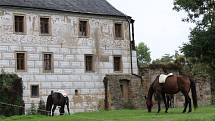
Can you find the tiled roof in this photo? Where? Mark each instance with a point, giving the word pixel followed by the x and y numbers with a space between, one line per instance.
pixel 98 7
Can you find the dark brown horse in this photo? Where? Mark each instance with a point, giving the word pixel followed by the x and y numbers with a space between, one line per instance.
pixel 173 85
pixel 56 99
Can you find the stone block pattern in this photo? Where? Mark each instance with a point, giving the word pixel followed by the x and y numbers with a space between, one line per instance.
pixel 68 54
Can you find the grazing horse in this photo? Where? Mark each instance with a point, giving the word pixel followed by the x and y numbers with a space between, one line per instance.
pixel 172 85
pixel 56 99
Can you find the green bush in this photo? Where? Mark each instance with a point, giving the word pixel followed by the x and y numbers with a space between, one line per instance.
pixel 11 92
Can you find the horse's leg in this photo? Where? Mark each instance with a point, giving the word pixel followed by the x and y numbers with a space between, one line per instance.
pixel 186 101
pixel 165 102
pixel 62 110
pixel 53 109
pixel 159 102
pixel 190 105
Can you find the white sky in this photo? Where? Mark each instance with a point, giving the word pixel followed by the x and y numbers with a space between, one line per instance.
pixel 156 24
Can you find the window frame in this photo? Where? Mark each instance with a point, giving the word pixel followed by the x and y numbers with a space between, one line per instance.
pixel 92 64
pixel 24 24
pixel 38 91
pixel 52 62
pixel 120 66
pixel 121 33
pixel 25 61
pixel 87 28
pixel 49 26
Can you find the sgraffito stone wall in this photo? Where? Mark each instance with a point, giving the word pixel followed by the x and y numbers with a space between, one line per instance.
pixel 68 54
pixel 114 95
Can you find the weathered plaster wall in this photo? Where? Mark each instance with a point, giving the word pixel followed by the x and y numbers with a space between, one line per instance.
pixel 68 51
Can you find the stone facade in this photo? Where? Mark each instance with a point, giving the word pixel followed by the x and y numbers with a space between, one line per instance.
pixel 123 91
pixel 68 54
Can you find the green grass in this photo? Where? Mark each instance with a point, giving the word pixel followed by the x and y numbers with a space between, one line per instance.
pixel 201 114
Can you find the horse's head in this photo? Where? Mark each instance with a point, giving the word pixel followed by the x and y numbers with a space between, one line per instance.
pixel 149 105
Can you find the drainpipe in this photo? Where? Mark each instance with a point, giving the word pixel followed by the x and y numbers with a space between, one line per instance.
pixel 132 46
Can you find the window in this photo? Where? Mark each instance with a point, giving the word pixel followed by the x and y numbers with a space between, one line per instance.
pixel 76 92
pixel 117 63
pixel 34 91
pixel 89 63
pixel 118 30
pixel 83 28
pixel 20 61
pixel 44 25
pixel 47 62
pixel 19 24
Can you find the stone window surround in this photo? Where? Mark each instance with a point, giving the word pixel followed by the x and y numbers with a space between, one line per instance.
pixel 25 63
pixel 93 63
pixel 87 28
pixel 122 32
pixel 121 65
pixel 49 26
pixel 52 62
pixel 24 24
pixel 38 92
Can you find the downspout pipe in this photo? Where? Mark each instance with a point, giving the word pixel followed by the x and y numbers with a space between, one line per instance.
pixel 132 46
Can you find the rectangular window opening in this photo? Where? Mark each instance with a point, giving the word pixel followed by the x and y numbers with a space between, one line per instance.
pixel 117 63
pixel 118 30
pixel 83 28
pixel 89 63
pixel 34 91
pixel 47 62
pixel 19 24
pixel 44 25
pixel 20 61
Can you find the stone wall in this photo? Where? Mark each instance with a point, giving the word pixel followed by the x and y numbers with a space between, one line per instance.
pixel 114 95
pixel 68 51
pixel 203 86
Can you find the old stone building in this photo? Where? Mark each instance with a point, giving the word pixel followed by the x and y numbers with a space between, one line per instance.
pixel 65 44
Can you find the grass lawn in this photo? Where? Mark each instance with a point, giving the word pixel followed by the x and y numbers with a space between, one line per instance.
pixel 201 114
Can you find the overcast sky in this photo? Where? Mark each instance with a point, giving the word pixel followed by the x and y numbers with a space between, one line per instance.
pixel 156 24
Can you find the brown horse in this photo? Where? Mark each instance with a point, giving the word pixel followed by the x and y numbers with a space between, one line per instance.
pixel 172 85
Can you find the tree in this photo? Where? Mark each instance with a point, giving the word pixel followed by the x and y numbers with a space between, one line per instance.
pixel 200 12
pixel 164 60
pixel 143 54
pixel 200 49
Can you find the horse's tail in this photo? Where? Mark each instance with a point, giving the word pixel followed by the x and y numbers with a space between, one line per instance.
pixel 194 95
pixel 67 104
